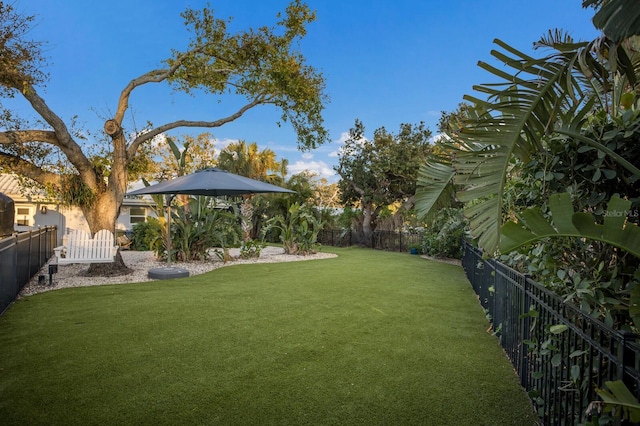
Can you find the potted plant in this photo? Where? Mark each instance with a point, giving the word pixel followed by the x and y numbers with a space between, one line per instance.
pixel 414 249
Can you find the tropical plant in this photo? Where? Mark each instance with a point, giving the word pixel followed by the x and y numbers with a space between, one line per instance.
pixel 201 227
pixel 251 249
pixel 181 156
pixel 566 123
pixel 443 237
pixel 247 160
pixel 147 235
pixel 618 396
pixel 298 230
pixel 543 99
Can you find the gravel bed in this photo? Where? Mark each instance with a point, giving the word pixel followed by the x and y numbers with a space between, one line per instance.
pixel 141 261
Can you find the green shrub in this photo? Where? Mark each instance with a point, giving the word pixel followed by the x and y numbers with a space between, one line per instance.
pixel 147 235
pixel 444 237
pixel 193 232
pixel 251 249
pixel 199 228
pixel 298 230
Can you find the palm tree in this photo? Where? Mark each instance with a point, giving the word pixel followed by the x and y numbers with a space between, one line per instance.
pixel 247 160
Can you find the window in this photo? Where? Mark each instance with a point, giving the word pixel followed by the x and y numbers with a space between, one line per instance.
pixel 23 216
pixel 137 214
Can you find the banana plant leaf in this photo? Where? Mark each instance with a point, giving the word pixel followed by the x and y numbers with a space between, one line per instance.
pixel 533 225
pixel 619 395
pixel 618 19
pixel 519 111
pixel 435 188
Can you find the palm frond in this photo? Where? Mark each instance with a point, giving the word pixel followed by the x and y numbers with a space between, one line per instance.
pixel 618 19
pixel 435 189
pixel 520 111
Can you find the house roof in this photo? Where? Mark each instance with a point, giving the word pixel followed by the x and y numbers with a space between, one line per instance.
pixel 10 186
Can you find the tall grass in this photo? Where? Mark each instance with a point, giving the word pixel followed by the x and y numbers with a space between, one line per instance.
pixel 366 338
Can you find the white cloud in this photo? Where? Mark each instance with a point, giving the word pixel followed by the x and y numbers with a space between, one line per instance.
pixel 307 156
pixel 221 144
pixel 343 138
pixel 318 167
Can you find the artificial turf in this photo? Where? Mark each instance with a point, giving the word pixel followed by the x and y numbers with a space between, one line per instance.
pixel 367 338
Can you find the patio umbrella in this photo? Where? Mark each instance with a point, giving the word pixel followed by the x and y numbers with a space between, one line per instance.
pixel 210 181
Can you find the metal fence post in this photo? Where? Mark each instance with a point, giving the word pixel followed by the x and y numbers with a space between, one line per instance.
pixel 524 349
pixel 627 358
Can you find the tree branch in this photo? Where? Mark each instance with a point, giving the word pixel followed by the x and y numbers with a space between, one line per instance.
pixel 64 141
pixel 26 136
pixel 154 76
pixel 187 123
pixel 25 168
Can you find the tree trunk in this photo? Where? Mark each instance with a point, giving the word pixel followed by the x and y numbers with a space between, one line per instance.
pixel 102 214
pixel 246 214
pixel 368 222
pixel 104 211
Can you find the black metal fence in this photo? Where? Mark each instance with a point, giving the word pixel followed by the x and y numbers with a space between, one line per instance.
pixel 379 240
pixel 21 257
pixel 561 354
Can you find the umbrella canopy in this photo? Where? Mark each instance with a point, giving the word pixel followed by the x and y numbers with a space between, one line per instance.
pixel 210 181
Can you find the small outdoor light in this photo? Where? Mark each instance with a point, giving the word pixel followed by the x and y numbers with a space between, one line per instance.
pixel 43 209
pixel 53 269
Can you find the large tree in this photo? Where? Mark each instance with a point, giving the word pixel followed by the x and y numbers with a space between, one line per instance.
pixel 382 171
pixel 261 66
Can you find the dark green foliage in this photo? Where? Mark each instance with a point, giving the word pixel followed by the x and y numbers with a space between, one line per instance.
pixel 379 172
pixel 298 229
pixel 348 216
pixel 443 238
pixel 147 235
pixel 594 275
pixel 200 227
pixel 194 230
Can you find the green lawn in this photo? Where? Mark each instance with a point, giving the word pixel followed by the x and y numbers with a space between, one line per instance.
pixel 367 338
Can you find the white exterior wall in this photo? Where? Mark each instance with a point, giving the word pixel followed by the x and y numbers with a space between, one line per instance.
pixel 42 213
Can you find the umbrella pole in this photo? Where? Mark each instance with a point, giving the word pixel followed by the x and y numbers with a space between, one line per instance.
pixel 169 231
pixel 167 272
pixel 169 237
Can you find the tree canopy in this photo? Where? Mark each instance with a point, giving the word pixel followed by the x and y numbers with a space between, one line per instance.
pixel 382 171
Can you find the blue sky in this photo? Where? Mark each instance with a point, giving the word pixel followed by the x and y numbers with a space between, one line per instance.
pixel 386 62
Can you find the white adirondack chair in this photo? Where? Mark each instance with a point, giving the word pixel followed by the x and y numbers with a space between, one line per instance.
pixel 81 248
